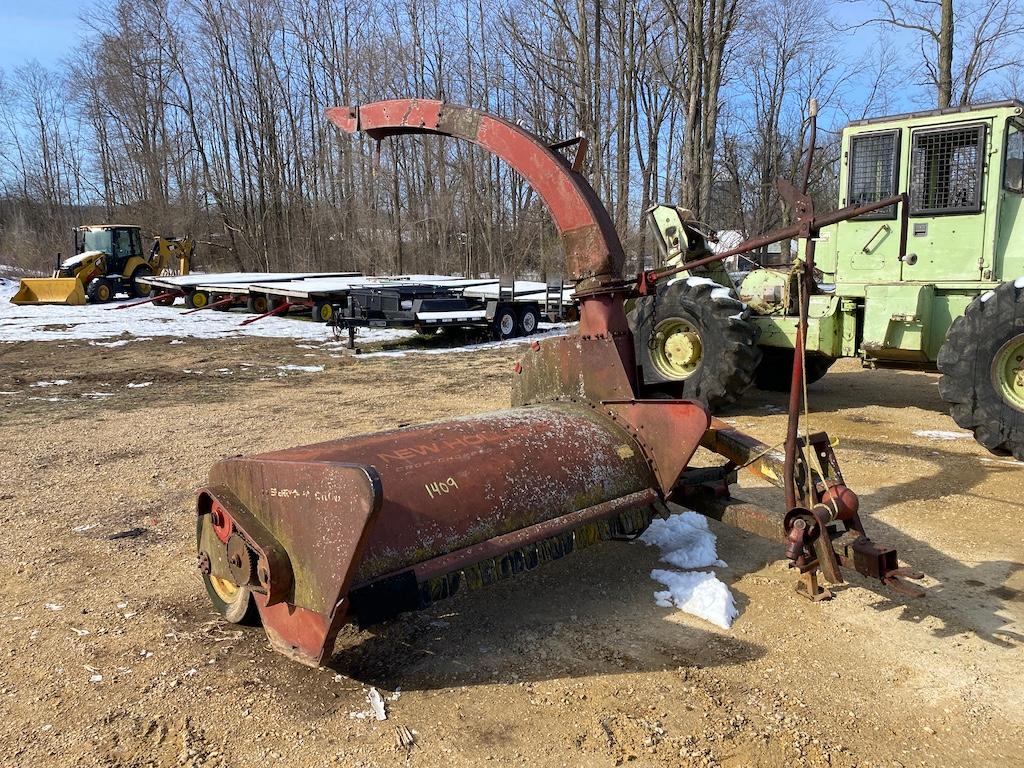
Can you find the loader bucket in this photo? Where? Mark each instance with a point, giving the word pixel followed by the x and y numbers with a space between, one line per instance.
pixel 50 290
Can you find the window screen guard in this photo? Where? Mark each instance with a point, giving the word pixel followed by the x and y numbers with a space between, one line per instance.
pixel 874 159
pixel 1013 165
pixel 946 170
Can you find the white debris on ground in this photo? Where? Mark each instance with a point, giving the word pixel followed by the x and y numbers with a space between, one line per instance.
pixel 377 710
pixel 686 541
pixel 938 434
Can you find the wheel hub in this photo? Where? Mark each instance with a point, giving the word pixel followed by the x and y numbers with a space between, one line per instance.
pixel 1008 372
pixel 678 350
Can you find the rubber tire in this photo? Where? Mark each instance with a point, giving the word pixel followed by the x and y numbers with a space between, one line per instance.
pixel 162 302
pixel 529 319
pixel 775 371
pixel 730 355
pixel 241 610
pixel 273 304
pixel 256 304
pixel 93 291
pixel 190 299
pixel 134 289
pixel 965 362
pixel 317 312
pixel 499 316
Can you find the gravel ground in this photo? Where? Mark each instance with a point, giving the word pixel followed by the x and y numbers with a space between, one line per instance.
pixel 112 654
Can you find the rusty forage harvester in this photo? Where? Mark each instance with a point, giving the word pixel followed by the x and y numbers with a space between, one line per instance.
pixel 363 528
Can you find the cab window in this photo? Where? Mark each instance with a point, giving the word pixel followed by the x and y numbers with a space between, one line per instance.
pixel 122 243
pixel 1013 166
pixel 874 159
pixel 946 170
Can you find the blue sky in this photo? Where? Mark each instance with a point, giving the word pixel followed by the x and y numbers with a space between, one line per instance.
pixel 46 30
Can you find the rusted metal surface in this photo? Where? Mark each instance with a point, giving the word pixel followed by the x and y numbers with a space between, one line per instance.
pixel 743 450
pixel 281 308
pixel 593 252
pixel 353 511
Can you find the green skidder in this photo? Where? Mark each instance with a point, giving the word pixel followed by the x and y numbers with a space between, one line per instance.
pixel 953 300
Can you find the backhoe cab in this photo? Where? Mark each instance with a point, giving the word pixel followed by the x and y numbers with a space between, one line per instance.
pixel 951 296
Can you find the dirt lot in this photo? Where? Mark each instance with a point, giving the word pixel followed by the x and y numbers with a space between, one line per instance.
pixel 112 655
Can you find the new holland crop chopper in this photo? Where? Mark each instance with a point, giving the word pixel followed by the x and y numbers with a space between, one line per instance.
pixel 363 528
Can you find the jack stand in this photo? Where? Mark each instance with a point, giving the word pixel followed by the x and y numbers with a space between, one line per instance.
pixel 808 586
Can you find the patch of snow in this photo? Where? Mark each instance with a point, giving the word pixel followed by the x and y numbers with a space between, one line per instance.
pixel 938 434
pixel 99 322
pixel 177 341
pixel 302 368
pixel 139 385
pixel 54 383
pixel 987 295
pixel 699 593
pixel 97 395
pixel 695 281
pixel 1019 282
pixel 686 541
pixel 722 293
pixel 53 607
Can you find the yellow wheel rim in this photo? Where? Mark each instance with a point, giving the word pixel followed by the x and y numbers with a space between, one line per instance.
pixel 1008 372
pixel 676 348
pixel 198 299
pixel 226 590
pixel 325 312
pixel 103 292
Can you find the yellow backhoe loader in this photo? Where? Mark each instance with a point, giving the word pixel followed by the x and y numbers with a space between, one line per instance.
pixel 109 260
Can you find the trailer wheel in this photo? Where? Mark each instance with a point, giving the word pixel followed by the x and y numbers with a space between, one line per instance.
pixel 506 324
pixel 323 311
pixel 136 289
pixel 197 299
pixel 153 292
pixel 257 304
pixel 693 340
pixel 233 602
pixel 775 371
pixel 529 318
pixel 100 290
pixel 982 367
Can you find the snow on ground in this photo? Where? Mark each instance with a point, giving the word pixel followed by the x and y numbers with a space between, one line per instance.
pixel 687 542
pixel 104 326
pixel 938 434
pixel 56 322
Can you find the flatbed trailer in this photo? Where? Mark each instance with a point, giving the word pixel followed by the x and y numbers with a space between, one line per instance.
pixel 200 290
pixel 515 309
pixel 323 296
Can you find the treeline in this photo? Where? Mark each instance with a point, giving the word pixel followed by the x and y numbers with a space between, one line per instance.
pixel 206 117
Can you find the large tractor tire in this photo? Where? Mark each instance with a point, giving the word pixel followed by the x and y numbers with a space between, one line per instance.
pixel 775 371
pixel 694 341
pixel 982 366
pixel 101 290
pixel 136 289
